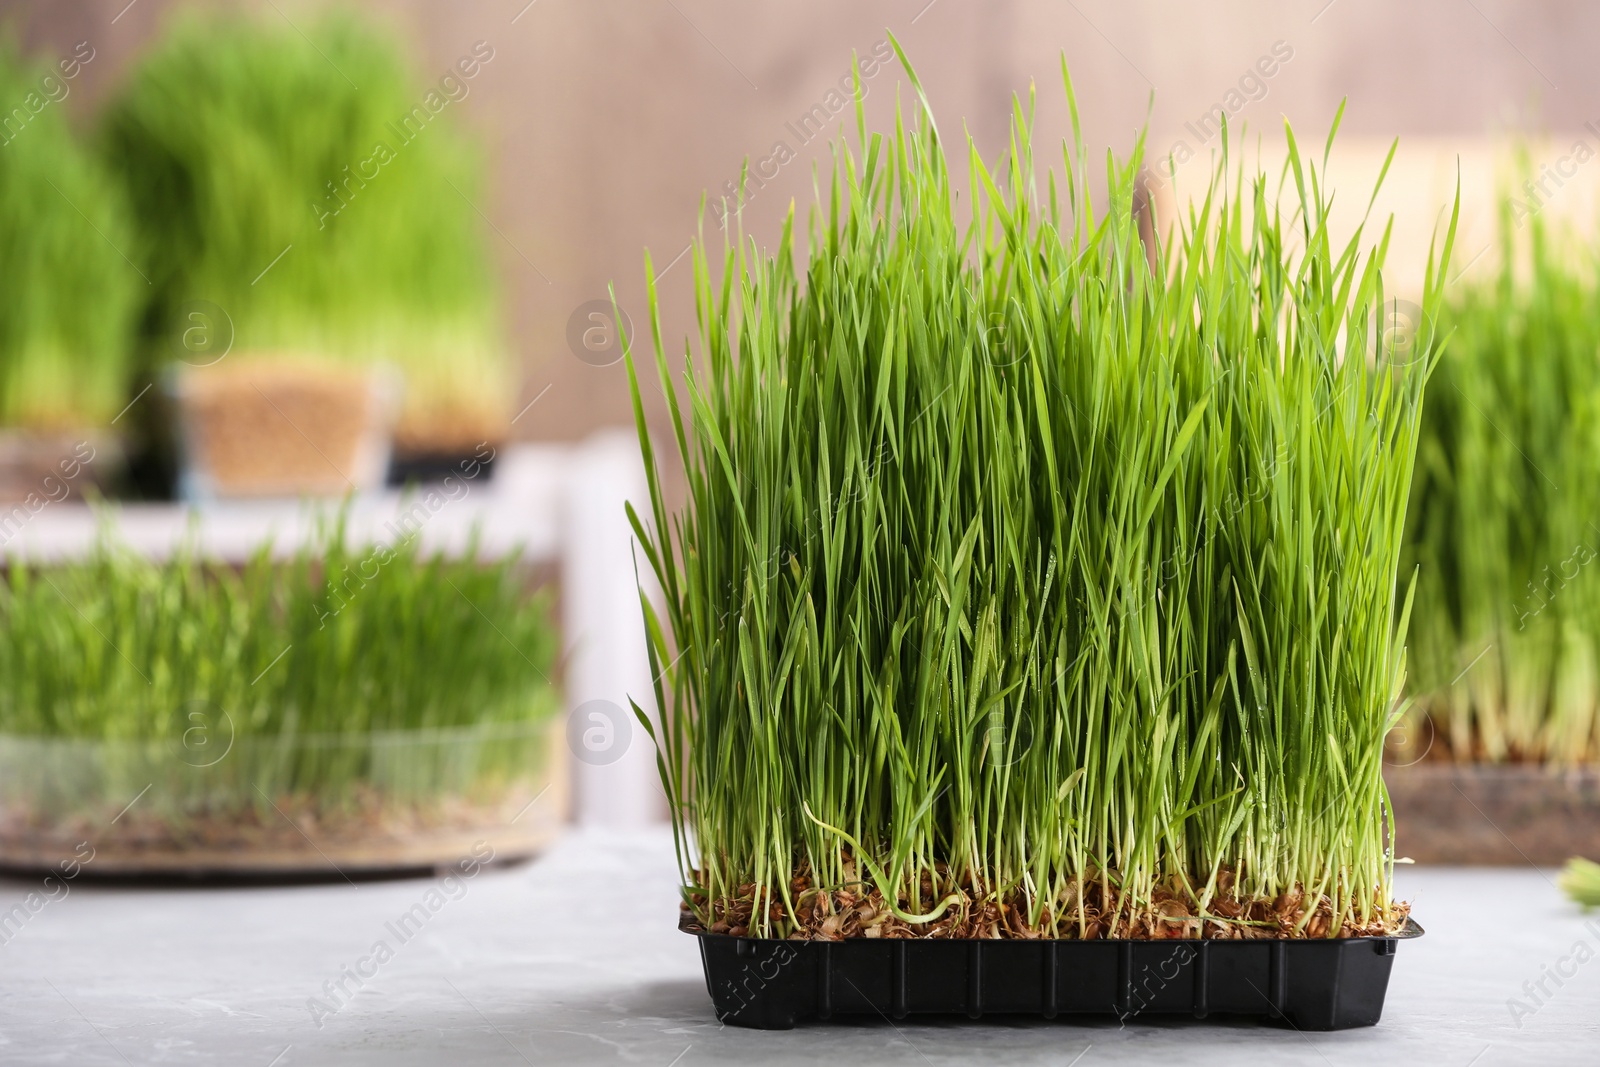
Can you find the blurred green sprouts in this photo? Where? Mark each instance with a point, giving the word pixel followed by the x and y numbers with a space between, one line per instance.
pixel 322 197
pixel 65 246
pixel 341 640
pixel 1505 513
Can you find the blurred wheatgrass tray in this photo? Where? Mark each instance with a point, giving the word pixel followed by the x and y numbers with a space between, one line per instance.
pixel 307 207
pixel 355 707
pixel 1503 518
pixel 67 320
pixel 1034 592
pixel 1497 763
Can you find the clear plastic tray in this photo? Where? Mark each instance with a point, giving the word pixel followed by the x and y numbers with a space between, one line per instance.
pixel 211 804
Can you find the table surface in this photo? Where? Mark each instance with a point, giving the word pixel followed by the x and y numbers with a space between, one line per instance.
pixel 575 959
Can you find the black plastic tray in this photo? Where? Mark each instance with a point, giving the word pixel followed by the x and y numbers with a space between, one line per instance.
pixel 1311 985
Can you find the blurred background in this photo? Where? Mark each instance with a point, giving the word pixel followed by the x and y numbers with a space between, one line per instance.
pixel 605 122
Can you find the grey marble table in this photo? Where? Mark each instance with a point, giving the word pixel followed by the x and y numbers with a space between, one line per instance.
pixel 574 959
